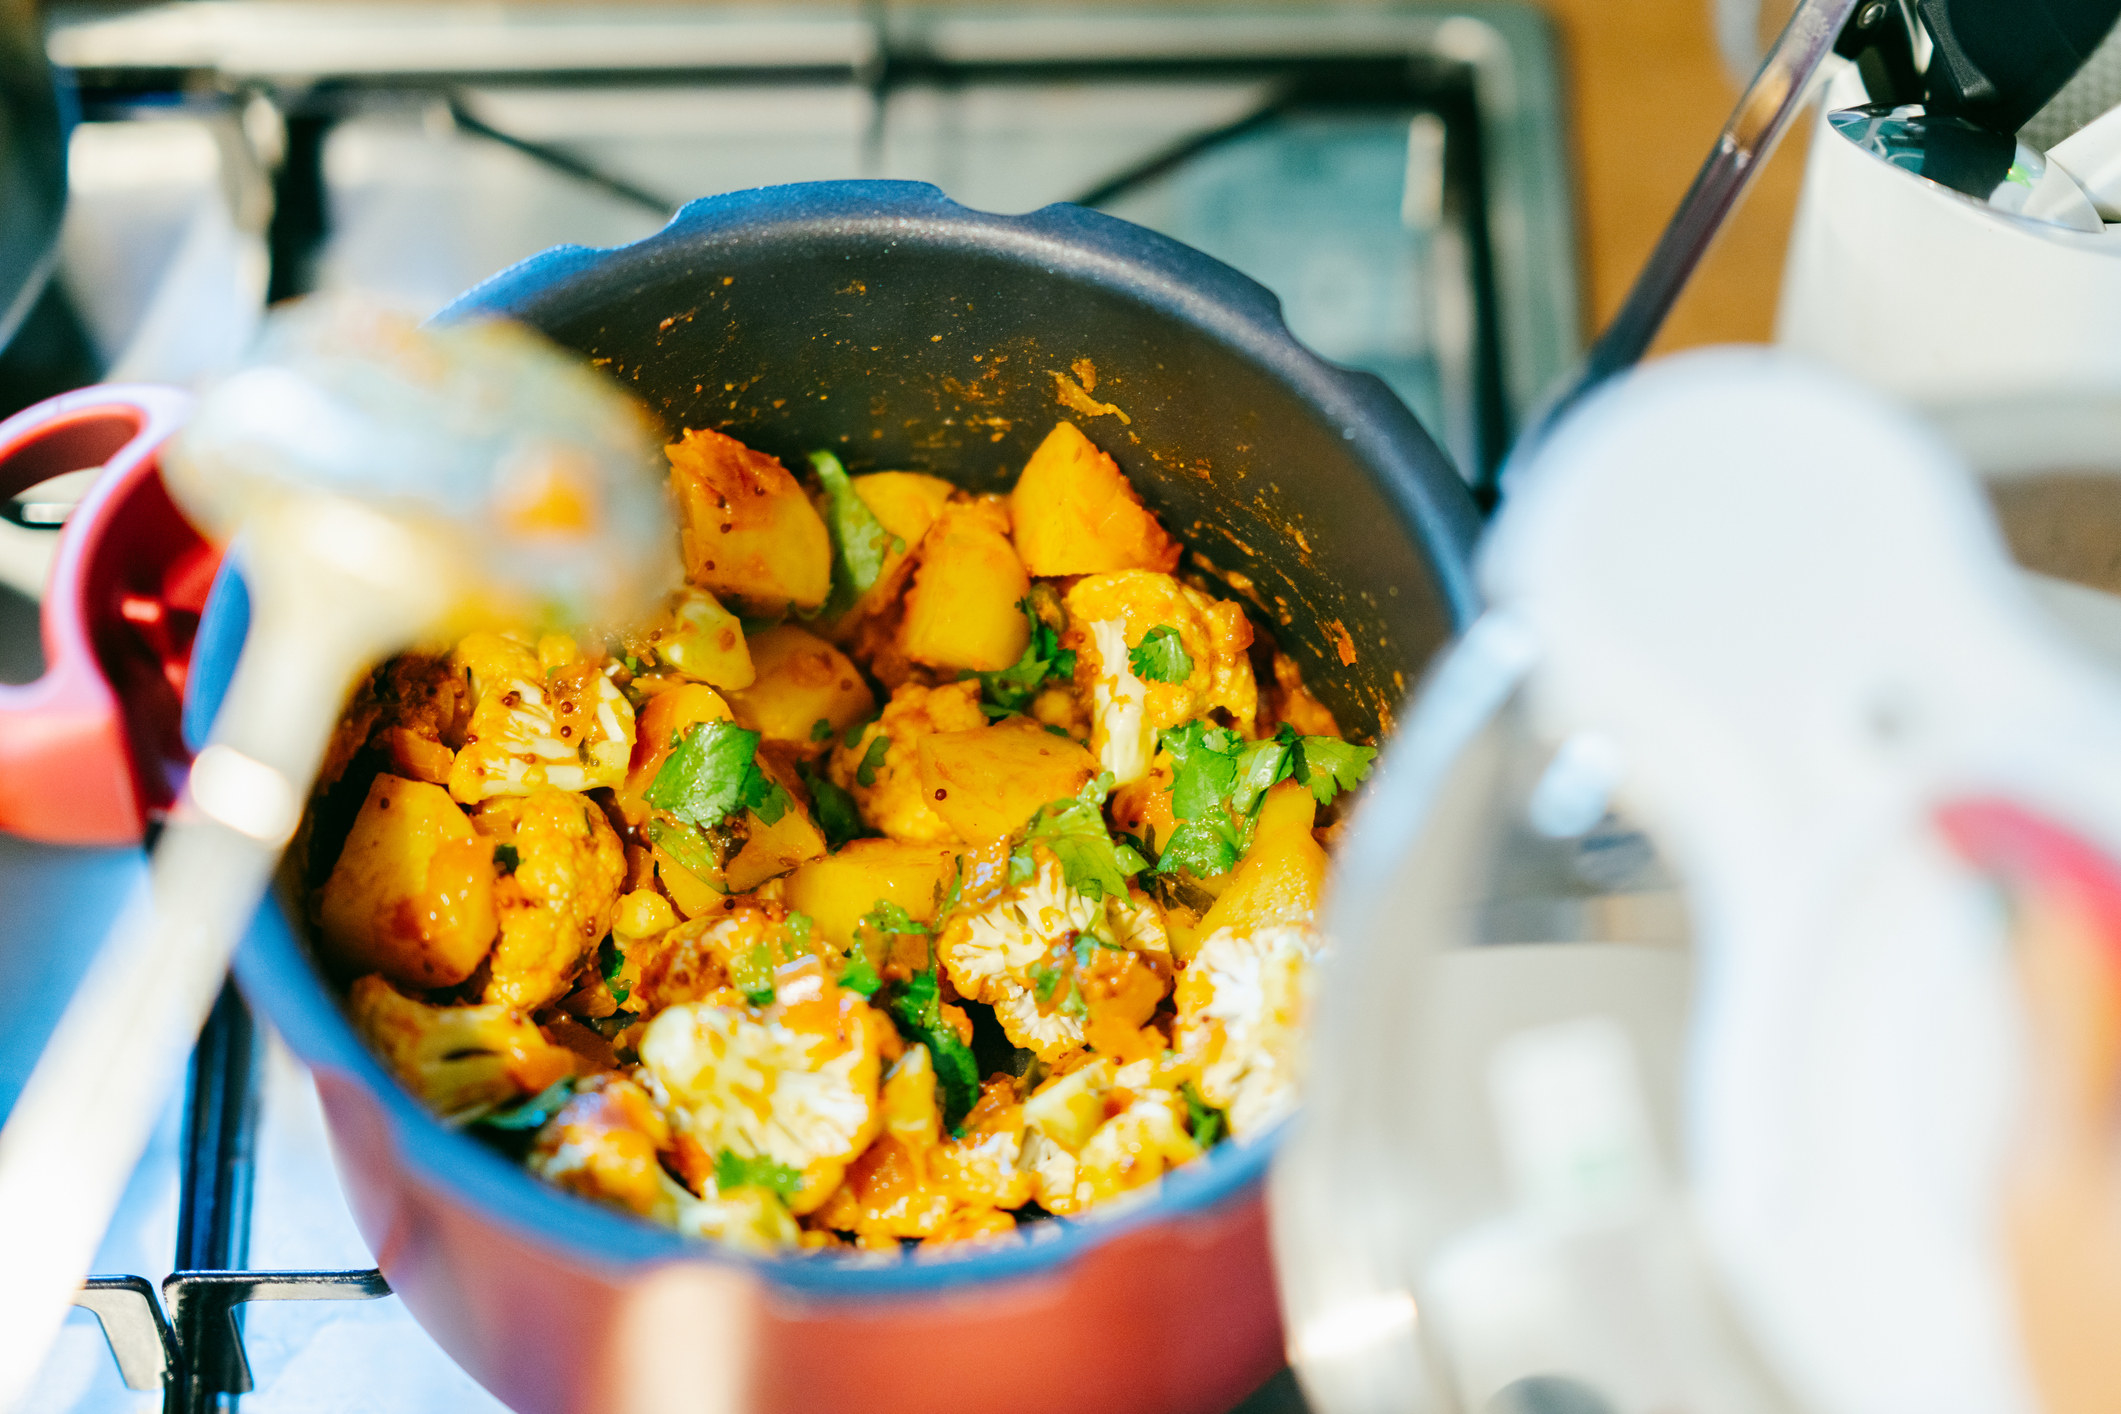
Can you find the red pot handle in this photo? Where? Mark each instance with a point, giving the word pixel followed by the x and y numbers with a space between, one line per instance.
pixel 90 751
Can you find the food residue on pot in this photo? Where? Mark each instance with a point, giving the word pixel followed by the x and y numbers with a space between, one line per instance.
pixel 1342 643
pixel 1076 396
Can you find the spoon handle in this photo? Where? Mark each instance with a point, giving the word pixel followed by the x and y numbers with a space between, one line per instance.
pixel 78 1130
pixel 1764 113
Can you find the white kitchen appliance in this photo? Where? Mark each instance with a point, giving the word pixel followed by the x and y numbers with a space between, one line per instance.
pixel 1938 296
pixel 1670 1054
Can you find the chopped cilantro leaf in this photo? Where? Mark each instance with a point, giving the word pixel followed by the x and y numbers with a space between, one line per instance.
pixel 1094 864
pixel 821 729
pixel 1207 1120
pixel 1160 656
pixel 1204 765
pixel 734 1170
pixel 685 845
pixel 1259 766
pixel 1329 765
pixel 1212 768
pixel 533 1112
pixel 860 544
pixel 1203 848
pixel 610 963
pixel 859 976
pixel 1012 689
pixel 833 807
pixel 1088 943
pixel 612 1025
pixel 506 859
pixel 888 917
pixel 872 761
pixel 751 972
pixel 768 800
pixel 853 734
pixel 1143 844
pixel 712 775
pixel 917 1006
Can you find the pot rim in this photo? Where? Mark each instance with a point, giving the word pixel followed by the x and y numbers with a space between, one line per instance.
pixel 1061 240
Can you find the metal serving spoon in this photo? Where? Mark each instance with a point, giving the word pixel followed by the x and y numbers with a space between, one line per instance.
pixel 1764 113
pixel 384 484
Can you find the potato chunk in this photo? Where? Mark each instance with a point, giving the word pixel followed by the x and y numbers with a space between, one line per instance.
pixel 665 718
pixel 703 641
pixel 1282 875
pixel 905 504
pixel 772 849
pixel 411 895
pixel 987 782
pixel 882 768
pixel 802 680
pixel 746 529
pixel 562 869
pixel 836 891
pixel 1076 513
pixel 962 610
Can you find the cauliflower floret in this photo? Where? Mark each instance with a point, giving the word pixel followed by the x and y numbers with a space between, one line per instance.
pixel 749 1219
pixel 897 1187
pixel 1082 1155
pixel 604 1144
pixel 561 867
pixel 739 946
pixel 461 1061
pixel 795 1083
pixel 1109 615
pixel 983 1165
pixel 1242 1004
pixel 886 784
pixel 414 709
pixel 549 718
pixel 1053 963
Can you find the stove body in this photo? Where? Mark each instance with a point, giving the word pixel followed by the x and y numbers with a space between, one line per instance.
pixel 1397 175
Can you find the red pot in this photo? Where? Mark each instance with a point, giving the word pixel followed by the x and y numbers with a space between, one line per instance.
pixel 91 750
pixel 849 315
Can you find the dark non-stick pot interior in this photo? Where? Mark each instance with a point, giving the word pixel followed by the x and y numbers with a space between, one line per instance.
pixel 906 332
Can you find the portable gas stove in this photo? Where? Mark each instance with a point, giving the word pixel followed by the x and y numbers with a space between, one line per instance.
pixel 1396 174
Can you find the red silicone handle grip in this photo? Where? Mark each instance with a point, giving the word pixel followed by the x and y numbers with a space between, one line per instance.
pixel 92 749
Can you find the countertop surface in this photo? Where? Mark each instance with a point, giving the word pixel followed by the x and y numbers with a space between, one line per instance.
pixel 1649 94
